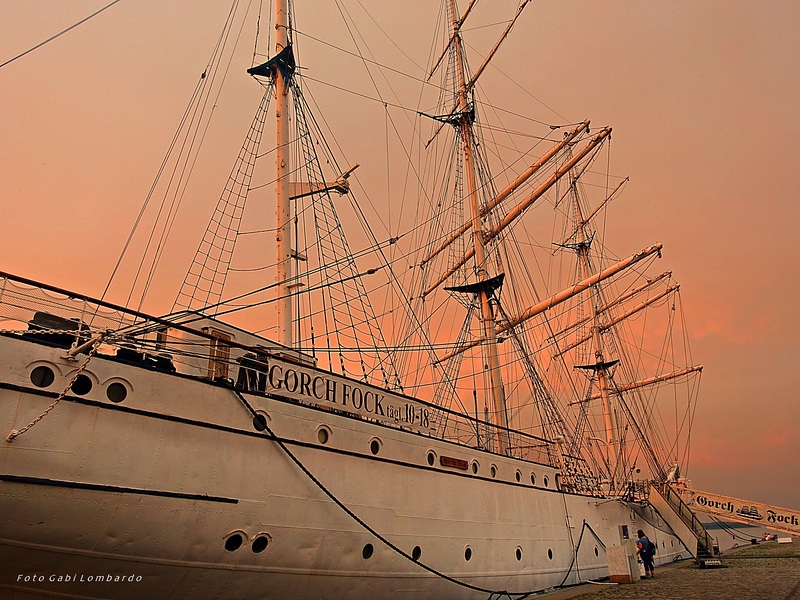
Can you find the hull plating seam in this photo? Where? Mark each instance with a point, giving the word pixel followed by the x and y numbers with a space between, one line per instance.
pixel 113 488
pixel 265 435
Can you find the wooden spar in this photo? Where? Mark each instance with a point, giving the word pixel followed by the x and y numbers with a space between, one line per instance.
pixel 579 287
pixel 524 204
pixel 466 13
pixel 460 350
pixel 621 318
pixel 523 177
pixel 496 46
pixel 619 300
pixel 606 201
pixel 458 25
pixel 618 389
pixel 562 296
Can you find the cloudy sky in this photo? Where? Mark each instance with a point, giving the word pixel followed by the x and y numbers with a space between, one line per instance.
pixel 704 101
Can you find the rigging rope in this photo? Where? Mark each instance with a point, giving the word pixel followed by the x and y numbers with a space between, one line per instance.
pixel 58 35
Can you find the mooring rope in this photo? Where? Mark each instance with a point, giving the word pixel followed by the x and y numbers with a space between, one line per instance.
pixel 492 594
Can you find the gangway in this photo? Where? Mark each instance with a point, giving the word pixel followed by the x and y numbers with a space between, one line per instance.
pixel 667 501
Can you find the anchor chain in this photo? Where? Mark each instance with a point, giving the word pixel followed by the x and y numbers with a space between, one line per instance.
pixel 17 432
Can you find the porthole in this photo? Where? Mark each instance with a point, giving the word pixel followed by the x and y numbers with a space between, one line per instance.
pixel 260 422
pixel 323 435
pixel 82 385
pixel 518 553
pixel 416 553
pixel 375 446
pixel 116 392
pixel 42 376
pixel 234 542
pixel 260 544
pixel 545 481
pixel 596 551
pixel 493 471
pixel 518 476
pixel 431 458
pixel 549 554
pixel 468 553
pixel 533 478
pixel 474 467
pixel 367 551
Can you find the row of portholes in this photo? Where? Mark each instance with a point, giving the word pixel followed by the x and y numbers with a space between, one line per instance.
pixel 416 553
pixel 43 377
pixel 324 434
pixel 235 541
pixel 475 467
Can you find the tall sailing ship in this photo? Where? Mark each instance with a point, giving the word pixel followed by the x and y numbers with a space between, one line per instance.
pixel 497 424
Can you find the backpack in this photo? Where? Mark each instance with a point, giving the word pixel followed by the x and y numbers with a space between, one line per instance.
pixel 652 548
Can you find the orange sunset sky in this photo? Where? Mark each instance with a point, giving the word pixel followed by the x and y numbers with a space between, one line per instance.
pixel 704 98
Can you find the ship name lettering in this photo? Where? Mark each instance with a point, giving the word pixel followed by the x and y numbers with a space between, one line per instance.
pixel 305 382
pixel 294 379
pixel 774 517
pixel 378 405
pixel 726 506
pixel 300 382
pixel 319 394
pixel 357 398
pixel 330 390
pixel 345 394
pixel 275 384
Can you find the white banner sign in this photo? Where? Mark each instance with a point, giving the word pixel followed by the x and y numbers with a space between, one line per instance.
pixel 743 510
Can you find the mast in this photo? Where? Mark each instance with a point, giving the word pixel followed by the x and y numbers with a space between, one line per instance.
pixel 487 313
pixel 283 235
pixel 600 366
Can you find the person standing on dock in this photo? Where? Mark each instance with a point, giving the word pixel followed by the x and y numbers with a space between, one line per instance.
pixel 644 548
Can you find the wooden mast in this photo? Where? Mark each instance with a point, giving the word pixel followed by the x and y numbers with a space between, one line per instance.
pixel 600 366
pixel 283 235
pixel 487 312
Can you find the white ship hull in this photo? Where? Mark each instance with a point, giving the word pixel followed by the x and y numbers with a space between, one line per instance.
pixel 148 492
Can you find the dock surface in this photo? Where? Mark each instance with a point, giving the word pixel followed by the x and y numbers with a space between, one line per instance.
pixel 767 571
